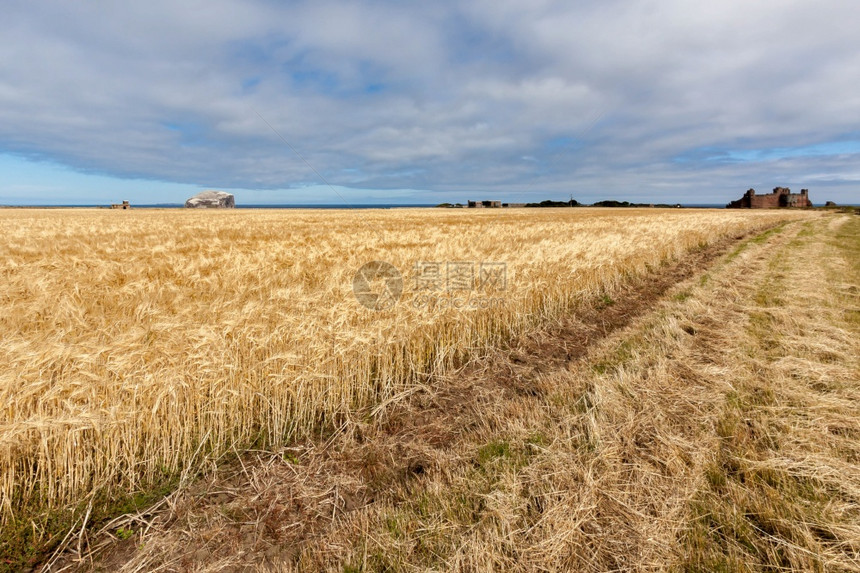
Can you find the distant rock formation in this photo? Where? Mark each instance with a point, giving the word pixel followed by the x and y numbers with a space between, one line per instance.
pixel 211 200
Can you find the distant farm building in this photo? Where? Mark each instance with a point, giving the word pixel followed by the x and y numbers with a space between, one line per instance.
pixel 485 204
pixel 123 205
pixel 781 197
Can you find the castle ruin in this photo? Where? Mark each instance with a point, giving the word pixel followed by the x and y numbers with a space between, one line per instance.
pixel 781 197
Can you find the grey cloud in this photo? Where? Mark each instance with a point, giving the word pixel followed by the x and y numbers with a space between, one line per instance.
pixel 443 96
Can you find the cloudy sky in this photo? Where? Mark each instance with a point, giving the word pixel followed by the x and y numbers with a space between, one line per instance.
pixel 367 101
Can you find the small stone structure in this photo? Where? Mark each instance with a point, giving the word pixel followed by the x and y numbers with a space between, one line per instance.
pixel 485 204
pixel 123 205
pixel 211 200
pixel 781 197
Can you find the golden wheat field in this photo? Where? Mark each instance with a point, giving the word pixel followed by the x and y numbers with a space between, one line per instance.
pixel 141 344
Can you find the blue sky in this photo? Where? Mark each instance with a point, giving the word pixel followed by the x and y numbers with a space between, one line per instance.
pixel 395 102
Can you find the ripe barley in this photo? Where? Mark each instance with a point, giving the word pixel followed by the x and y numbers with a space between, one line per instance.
pixel 138 344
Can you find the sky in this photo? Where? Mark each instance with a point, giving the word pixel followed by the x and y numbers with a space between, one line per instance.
pixel 376 101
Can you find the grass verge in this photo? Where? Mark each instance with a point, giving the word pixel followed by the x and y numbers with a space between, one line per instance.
pixel 781 492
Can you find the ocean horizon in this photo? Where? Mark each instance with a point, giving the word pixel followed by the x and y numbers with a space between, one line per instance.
pixel 325 206
pixel 302 206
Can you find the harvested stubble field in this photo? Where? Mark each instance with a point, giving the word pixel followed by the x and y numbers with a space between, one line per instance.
pixel 144 348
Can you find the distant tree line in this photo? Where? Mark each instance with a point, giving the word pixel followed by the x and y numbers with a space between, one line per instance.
pixel 548 203
pixel 575 203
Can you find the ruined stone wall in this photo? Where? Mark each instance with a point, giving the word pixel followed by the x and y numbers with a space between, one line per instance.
pixel 764 201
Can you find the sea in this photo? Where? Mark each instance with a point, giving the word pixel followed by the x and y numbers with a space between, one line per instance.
pixel 295 206
pixel 317 206
pixel 241 206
